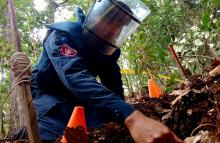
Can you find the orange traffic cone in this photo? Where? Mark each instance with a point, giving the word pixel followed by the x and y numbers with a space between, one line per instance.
pixel 154 89
pixel 77 119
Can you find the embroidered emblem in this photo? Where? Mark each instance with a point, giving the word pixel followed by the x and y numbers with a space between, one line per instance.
pixel 66 50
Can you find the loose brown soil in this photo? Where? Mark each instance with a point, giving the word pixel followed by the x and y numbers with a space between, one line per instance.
pixel 187 110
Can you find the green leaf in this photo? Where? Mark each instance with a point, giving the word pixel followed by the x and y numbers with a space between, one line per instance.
pixel 204 2
pixel 168 89
pixel 217 2
pixel 142 36
pixel 206 20
pixel 161 55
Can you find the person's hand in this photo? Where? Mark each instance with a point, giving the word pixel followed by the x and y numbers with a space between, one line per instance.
pixel 147 130
pixel 215 71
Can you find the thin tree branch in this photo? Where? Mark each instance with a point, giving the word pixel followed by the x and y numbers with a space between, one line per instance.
pixel 65 1
pixel 16 36
pixel 175 57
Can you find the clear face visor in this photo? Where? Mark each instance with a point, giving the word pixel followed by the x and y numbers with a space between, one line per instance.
pixel 113 21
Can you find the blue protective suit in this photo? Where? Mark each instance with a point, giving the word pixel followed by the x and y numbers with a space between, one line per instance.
pixel 66 75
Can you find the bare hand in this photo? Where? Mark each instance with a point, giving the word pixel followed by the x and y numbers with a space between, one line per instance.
pixel 147 130
pixel 215 71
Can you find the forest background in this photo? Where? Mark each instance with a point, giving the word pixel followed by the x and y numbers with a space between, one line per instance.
pixel 192 26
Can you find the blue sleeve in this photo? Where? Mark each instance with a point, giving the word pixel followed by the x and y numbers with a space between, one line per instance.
pixel 111 77
pixel 74 74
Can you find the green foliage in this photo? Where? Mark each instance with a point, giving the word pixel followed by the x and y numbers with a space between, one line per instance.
pixel 84 4
pixel 191 27
pixel 4 87
pixel 206 21
pixel 149 44
pixel 169 22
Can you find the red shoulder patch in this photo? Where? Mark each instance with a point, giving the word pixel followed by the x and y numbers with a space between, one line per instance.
pixel 66 50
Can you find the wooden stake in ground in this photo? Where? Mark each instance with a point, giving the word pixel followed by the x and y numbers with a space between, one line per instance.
pixel 173 53
pixel 22 81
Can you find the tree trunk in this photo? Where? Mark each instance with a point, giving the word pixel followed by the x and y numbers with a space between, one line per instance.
pixel 2 130
pixel 16 115
pixel 2 133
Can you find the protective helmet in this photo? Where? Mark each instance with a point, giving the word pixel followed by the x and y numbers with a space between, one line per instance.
pixel 110 22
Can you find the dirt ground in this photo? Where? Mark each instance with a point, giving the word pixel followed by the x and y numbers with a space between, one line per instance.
pixel 190 108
